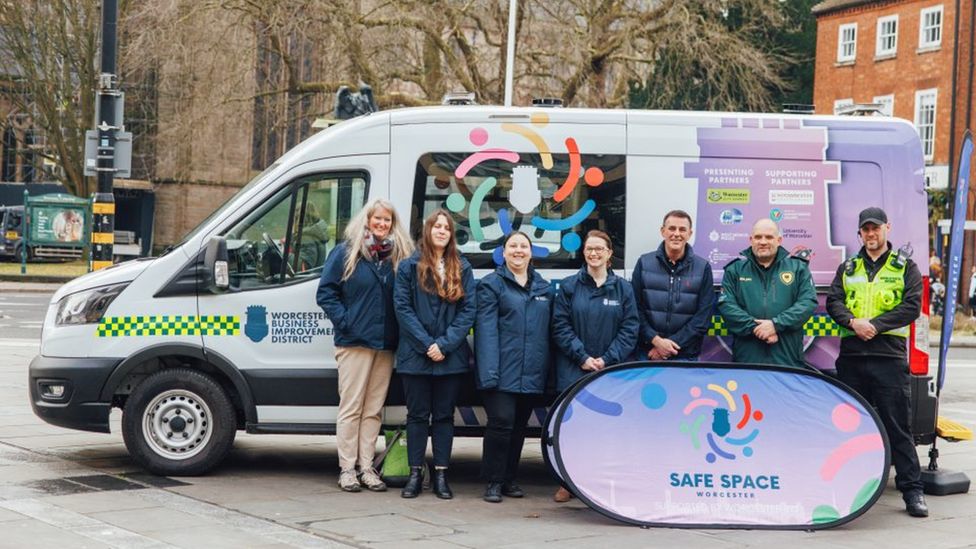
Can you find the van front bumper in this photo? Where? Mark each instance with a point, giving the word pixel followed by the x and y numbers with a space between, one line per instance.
pixel 65 391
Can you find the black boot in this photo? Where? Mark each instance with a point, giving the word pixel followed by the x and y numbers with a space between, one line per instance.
pixel 439 484
pixel 512 490
pixel 493 492
pixel 915 504
pixel 415 484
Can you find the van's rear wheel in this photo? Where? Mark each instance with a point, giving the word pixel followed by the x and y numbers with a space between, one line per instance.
pixel 178 422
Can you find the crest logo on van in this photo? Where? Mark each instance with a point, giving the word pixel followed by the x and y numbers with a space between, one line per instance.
pixel 256 324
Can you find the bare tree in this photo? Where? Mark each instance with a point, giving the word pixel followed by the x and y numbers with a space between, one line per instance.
pixel 216 59
pixel 49 48
pixel 586 52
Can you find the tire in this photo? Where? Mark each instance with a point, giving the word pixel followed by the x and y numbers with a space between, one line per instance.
pixel 17 249
pixel 179 422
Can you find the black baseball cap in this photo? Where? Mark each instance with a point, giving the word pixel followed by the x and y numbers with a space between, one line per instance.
pixel 872 215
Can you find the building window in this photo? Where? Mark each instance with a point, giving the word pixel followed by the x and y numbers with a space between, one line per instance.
pixel 141 87
pixel 19 143
pixel 841 104
pixel 930 29
pixel 887 103
pixel 8 167
pixel 847 43
pixel 925 120
pixel 887 36
pixel 282 119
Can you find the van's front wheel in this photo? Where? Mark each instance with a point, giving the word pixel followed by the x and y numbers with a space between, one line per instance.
pixel 178 422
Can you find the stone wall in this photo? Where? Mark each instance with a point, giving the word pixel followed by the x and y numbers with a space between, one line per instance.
pixel 182 206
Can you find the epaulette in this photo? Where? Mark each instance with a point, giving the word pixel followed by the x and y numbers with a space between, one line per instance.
pixel 738 258
pixel 803 254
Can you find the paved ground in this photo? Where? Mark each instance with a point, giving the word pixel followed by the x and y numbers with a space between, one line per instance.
pixel 61 488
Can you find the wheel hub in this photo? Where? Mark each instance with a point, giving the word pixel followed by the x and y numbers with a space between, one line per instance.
pixel 176 424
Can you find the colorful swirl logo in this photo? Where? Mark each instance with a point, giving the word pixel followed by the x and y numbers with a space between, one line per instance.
pixel 731 426
pixel 525 195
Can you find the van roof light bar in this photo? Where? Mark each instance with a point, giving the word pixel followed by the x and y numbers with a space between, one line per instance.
pixel 862 109
pixel 459 98
pixel 551 102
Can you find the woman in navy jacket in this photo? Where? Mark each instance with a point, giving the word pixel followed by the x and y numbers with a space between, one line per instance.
pixel 595 321
pixel 512 349
pixel 434 298
pixel 356 293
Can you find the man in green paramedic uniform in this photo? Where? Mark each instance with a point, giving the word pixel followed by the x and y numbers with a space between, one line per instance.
pixel 876 295
pixel 767 297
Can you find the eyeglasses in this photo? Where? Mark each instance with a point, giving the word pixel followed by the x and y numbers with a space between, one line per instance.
pixel 598 250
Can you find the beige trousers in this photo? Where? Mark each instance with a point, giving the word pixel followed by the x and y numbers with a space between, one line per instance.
pixel 364 377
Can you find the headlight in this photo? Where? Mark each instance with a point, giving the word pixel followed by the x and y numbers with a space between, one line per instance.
pixel 87 307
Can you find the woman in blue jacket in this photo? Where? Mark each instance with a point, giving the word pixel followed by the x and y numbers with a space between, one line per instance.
pixel 356 293
pixel 512 349
pixel 595 321
pixel 435 304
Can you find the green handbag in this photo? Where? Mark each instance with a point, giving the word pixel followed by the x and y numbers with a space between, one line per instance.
pixel 392 462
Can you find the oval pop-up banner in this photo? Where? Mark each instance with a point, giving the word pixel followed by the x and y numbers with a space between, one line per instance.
pixel 713 445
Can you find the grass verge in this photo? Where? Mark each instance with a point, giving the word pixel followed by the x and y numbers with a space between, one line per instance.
pixel 54 270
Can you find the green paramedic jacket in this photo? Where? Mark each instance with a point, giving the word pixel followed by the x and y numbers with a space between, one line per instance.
pixel 783 293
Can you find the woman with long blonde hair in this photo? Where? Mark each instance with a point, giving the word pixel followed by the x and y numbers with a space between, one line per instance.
pixel 356 293
pixel 435 304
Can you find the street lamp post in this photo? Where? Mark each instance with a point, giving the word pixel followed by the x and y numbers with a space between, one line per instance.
pixel 103 204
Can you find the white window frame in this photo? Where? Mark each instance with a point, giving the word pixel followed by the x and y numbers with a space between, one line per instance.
pixel 880 49
pixel 922 42
pixel 841 103
pixel 843 57
pixel 888 101
pixel 926 133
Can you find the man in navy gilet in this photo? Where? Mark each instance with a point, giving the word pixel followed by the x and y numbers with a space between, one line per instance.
pixel 674 293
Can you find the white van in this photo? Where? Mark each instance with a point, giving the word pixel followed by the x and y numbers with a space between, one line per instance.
pixel 222 332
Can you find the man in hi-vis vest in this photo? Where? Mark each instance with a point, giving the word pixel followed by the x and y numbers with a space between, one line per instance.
pixel 876 295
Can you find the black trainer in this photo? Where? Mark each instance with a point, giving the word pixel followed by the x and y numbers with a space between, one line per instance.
pixel 915 504
pixel 414 485
pixel 493 492
pixel 439 484
pixel 512 490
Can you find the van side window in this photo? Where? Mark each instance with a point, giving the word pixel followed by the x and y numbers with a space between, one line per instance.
pixel 288 239
pixel 555 206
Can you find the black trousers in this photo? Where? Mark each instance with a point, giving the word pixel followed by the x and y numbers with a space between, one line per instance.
pixel 430 412
pixel 885 383
pixel 508 415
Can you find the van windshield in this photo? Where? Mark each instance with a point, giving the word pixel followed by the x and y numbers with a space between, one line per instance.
pixel 250 185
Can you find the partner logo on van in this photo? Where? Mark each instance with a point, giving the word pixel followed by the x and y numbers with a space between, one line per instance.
pixel 731 216
pixel 284 326
pixel 791 198
pixel 728 196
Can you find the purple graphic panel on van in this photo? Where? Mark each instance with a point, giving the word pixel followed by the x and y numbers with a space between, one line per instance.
pixel 811 178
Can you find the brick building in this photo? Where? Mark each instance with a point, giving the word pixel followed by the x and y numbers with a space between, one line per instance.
pixel 915 57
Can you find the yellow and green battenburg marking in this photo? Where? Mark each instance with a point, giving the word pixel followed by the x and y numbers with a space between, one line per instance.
pixel 817 325
pixel 169 325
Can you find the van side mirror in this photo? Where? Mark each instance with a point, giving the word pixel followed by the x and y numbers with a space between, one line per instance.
pixel 216 277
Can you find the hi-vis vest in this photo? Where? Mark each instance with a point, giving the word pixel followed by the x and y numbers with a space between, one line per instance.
pixel 868 299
